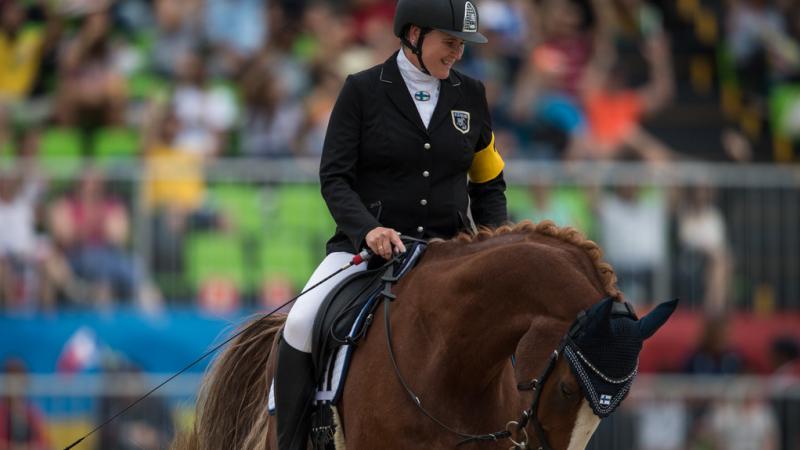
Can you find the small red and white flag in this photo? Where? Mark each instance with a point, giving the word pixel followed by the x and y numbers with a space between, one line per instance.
pixel 80 352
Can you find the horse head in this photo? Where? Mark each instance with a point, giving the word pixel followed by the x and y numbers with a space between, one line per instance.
pixel 591 372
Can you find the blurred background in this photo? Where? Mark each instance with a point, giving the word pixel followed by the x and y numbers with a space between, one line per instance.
pixel 158 183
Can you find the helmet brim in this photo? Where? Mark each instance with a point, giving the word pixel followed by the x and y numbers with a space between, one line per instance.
pixel 469 36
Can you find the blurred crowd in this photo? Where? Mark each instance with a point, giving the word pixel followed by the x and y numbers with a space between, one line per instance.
pixel 172 87
pixel 175 85
pixel 756 416
pixel 727 413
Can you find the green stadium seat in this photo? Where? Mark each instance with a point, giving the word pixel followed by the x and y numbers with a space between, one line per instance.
pixel 243 204
pixel 144 85
pixel 573 207
pixel 144 41
pixel 287 255
pixel 518 202
pixel 116 144
pixel 61 151
pixel 215 255
pixel 578 203
pixel 784 105
pixel 292 241
pixel 7 155
pixel 301 206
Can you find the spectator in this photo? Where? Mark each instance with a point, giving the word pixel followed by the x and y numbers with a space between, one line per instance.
pixel 206 113
pixel 365 12
pixel 633 231
pixel 614 110
pixel 318 107
pixel 235 29
pixel 326 34
pixel 785 356
pixel 704 248
pixel 19 243
pixel 546 96
pixel 177 33
pixel 22 424
pixel 636 30
pixel 271 119
pixel 91 227
pixel 763 51
pixel 22 48
pixel 763 54
pixel 743 421
pixel 175 190
pixel 91 88
pixel 663 424
pixel 174 173
pixel 713 354
pixel 374 39
pixel 146 426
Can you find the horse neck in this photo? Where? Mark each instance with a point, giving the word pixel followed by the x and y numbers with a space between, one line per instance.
pixel 473 309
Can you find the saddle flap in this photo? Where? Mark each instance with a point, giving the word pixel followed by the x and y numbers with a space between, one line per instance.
pixel 342 317
pixel 338 312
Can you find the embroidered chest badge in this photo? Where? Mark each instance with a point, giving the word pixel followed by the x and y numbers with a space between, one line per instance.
pixel 422 96
pixel 460 120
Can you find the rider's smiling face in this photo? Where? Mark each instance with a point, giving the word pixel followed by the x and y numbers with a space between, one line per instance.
pixel 439 51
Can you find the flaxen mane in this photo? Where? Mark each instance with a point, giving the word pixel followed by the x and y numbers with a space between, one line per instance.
pixel 568 235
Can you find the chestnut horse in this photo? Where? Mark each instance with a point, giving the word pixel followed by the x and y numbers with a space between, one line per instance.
pixel 469 305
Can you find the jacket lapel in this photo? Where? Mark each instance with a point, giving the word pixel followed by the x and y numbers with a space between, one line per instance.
pixel 398 92
pixel 449 94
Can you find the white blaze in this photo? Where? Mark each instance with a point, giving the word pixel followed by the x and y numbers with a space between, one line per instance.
pixel 585 424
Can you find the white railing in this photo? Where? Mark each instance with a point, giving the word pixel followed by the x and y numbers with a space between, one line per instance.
pixel 685 408
pixel 760 202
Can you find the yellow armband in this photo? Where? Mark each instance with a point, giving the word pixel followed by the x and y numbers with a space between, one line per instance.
pixel 486 165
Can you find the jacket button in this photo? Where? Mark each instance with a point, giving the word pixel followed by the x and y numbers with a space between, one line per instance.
pixel 426 174
pixel 423 202
pixel 427 146
pixel 420 229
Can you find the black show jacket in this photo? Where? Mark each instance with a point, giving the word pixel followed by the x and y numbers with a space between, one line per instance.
pixel 381 167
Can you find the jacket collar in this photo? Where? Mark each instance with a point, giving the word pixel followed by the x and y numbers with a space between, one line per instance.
pixel 449 94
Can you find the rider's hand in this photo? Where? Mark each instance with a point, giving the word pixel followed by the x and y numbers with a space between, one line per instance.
pixel 384 242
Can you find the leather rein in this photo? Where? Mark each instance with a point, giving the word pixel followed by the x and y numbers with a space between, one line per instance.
pixel 513 427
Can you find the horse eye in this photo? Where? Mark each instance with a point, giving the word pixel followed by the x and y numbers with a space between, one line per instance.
pixel 566 391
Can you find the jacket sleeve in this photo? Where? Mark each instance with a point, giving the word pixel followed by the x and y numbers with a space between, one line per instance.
pixel 486 183
pixel 339 166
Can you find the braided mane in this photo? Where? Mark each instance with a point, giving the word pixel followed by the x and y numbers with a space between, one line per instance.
pixel 568 235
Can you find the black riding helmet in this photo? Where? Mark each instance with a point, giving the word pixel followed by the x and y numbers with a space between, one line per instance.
pixel 457 18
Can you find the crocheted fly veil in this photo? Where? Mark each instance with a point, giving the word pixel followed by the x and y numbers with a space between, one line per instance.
pixel 603 347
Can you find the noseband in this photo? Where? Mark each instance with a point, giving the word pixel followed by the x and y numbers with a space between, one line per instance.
pixel 531 414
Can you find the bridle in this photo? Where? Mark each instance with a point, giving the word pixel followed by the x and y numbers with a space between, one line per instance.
pixel 530 415
pixel 512 427
pixel 537 385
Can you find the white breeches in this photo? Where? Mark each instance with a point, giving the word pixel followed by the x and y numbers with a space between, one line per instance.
pixel 297 331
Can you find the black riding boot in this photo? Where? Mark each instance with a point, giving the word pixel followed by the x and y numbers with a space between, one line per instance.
pixel 294 391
